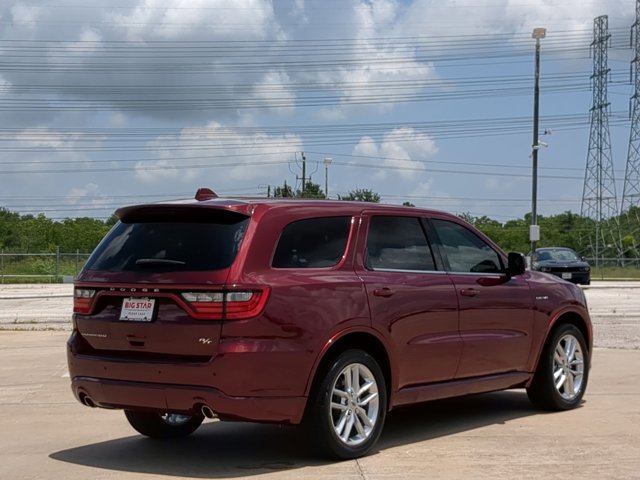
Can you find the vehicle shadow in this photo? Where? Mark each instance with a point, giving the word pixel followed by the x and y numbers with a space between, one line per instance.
pixel 227 449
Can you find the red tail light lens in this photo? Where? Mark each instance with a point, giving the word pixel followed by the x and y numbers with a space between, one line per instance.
pixel 82 300
pixel 230 304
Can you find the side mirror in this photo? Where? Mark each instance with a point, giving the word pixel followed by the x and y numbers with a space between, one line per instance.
pixel 516 265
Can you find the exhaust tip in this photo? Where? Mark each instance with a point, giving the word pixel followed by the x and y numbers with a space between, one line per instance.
pixel 207 412
pixel 86 400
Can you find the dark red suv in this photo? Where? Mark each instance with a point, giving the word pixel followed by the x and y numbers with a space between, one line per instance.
pixel 325 313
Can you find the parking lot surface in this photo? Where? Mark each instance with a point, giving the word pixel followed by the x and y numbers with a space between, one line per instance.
pixel 46 434
pixel 614 308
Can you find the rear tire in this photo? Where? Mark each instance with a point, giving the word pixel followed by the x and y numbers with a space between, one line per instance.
pixel 163 425
pixel 348 408
pixel 563 371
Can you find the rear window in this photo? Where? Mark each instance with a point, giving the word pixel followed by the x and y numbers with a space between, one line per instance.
pixel 312 243
pixel 173 243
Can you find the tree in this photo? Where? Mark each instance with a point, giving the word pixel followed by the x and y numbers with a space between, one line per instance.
pixel 361 195
pixel 407 204
pixel 8 228
pixel 311 190
pixel 283 192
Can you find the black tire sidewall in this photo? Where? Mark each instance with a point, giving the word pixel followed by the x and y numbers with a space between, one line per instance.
pixel 153 425
pixel 331 443
pixel 559 402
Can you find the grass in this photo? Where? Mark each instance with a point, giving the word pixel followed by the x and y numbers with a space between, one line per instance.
pixel 40 269
pixel 615 273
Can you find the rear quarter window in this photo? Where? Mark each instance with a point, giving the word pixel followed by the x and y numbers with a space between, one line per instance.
pixel 171 243
pixel 312 243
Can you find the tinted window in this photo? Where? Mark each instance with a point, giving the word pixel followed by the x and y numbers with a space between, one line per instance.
pixel 170 245
pixel 398 243
pixel 466 251
pixel 559 255
pixel 312 243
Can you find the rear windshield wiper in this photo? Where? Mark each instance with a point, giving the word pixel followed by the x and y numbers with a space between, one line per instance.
pixel 152 262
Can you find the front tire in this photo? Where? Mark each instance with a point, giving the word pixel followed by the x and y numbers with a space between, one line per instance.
pixel 563 371
pixel 348 409
pixel 163 425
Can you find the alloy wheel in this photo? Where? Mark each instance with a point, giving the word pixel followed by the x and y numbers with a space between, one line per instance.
pixel 354 407
pixel 568 367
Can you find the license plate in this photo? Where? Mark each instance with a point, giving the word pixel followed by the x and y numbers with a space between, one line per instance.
pixel 137 309
pixel 566 276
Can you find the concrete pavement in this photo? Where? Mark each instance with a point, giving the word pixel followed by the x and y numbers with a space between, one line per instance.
pixel 46 434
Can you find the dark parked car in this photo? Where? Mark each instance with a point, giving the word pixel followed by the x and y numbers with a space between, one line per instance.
pixel 324 313
pixel 562 262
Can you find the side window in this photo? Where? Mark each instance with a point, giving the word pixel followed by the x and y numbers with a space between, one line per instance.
pixel 397 243
pixel 312 243
pixel 466 251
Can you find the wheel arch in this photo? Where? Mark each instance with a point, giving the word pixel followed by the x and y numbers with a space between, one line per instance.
pixel 575 319
pixel 360 340
pixel 568 317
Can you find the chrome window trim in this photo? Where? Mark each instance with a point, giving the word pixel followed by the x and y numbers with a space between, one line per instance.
pixel 487 274
pixel 394 270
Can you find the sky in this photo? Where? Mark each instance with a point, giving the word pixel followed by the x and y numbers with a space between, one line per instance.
pixel 116 102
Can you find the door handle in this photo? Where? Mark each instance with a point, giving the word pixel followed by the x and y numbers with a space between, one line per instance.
pixel 469 292
pixel 383 292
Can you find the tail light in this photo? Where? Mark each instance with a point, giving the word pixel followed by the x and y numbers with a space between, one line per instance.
pixel 228 304
pixel 82 300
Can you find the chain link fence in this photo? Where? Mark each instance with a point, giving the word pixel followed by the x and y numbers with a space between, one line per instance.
pixel 63 267
pixel 40 267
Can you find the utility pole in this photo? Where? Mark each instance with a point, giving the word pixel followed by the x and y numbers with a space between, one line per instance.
pixel 327 161
pixel 534 230
pixel 304 172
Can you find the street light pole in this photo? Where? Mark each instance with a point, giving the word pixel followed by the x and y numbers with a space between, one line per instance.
pixel 534 230
pixel 327 161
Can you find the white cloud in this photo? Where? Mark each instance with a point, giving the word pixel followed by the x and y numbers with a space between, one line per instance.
pixel 274 89
pixel 145 75
pixel 4 85
pixel 297 11
pixel 26 15
pixel 378 70
pixel 79 192
pixel 403 151
pixel 176 19
pixel 427 19
pixel 117 120
pixel 248 156
pixel 44 137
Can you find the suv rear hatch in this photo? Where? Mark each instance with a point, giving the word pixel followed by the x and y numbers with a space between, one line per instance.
pixel 155 289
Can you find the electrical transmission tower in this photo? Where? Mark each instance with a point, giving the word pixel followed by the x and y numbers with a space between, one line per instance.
pixel 599 201
pixel 630 208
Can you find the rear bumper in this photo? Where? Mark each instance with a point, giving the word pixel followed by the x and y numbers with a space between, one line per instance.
pixel 106 393
pixel 238 386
